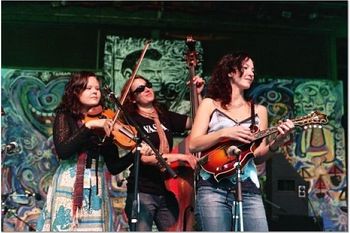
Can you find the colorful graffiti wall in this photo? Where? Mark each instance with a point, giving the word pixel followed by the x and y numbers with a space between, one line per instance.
pixel 317 154
pixel 28 99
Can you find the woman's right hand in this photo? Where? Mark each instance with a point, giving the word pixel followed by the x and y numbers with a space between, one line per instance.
pixel 238 133
pixel 147 154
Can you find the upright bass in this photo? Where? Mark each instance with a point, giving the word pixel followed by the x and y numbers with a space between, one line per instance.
pixel 183 185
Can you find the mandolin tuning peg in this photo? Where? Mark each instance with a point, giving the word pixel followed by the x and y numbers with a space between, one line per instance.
pixel 320 126
pixel 305 127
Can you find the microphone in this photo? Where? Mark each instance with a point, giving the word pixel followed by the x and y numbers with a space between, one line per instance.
pixel 26 193
pixel 10 148
pixel 233 151
pixel 37 196
pixel 110 93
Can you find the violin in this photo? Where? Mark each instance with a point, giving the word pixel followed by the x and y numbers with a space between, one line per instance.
pixel 123 135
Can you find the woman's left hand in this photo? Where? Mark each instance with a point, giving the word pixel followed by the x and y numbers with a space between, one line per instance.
pixel 199 83
pixel 190 159
pixel 284 129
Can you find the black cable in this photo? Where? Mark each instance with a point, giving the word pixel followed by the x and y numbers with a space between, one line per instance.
pixel 315 217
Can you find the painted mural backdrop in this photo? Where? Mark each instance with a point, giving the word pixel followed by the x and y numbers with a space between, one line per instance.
pixel 317 154
pixel 164 65
pixel 29 97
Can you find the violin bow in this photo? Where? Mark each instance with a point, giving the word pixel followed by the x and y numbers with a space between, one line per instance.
pixel 129 81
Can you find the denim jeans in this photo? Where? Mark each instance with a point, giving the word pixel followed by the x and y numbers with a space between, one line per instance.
pixel 162 209
pixel 214 210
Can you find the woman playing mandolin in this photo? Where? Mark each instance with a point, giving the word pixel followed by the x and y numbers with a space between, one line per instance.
pixel 223 117
pixel 156 203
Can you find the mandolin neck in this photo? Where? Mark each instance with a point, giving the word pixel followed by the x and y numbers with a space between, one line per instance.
pixel 264 133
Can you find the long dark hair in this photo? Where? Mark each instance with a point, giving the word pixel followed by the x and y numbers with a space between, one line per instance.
pixel 219 87
pixel 75 86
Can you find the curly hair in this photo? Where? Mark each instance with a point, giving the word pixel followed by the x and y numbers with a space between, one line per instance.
pixel 74 87
pixel 129 103
pixel 219 87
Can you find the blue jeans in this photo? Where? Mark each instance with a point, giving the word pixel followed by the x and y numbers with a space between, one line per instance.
pixel 162 209
pixel 214 210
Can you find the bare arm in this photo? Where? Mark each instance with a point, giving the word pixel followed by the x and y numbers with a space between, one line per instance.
pixel 199 139
pixel 266 150
pixel 262 151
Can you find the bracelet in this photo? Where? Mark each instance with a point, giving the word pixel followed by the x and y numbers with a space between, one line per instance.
pixel 273 151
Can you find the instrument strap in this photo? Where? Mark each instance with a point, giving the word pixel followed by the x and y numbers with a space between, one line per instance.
pixel 252 115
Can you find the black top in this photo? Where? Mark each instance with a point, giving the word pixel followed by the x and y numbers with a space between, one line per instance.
pixel 70 139
pixel 151 179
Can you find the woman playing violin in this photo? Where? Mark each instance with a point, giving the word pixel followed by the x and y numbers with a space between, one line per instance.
pixel 77 199
pixel 226 115
pixel 156 203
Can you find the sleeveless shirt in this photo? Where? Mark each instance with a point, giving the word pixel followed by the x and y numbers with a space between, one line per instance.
pixel 249 177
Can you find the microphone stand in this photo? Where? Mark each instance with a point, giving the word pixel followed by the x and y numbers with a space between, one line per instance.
pixel 161 162
pixel 5 209
pixel 30 227
pixel 238 219
pixel 135 210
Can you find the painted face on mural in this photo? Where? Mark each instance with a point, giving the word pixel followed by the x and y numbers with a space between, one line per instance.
pixel 163 65
pixel 314 95
pixel 152 70
pixel 91 95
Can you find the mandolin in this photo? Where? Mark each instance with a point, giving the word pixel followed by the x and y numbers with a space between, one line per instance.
pixel 221 162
